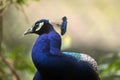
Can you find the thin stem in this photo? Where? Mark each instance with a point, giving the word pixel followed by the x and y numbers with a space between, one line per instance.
pixel 10 67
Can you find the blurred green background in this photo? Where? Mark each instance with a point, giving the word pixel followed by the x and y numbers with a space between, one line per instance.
pixel 93 28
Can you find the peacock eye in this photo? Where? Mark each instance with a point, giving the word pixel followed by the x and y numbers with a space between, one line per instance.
pixel 39 26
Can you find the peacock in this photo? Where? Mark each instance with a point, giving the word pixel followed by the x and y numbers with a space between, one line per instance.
pixel 53 64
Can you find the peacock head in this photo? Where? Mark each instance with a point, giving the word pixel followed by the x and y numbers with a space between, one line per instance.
pixel 39 27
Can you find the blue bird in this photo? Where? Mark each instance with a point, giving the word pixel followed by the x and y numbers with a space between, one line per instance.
pixel 51 63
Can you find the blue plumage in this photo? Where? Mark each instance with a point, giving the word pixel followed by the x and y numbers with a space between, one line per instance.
pixel 51 63
pixel 37 76
pixel 64 25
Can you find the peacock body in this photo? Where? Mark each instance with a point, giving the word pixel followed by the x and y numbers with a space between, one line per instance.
pixel 51 63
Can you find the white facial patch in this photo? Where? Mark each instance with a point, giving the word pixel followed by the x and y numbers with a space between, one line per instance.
pixel 40 25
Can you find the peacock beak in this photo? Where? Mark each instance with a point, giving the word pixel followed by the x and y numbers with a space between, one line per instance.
pixel 30 30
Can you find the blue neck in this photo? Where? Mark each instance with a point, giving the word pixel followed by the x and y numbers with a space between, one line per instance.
pixel 55 42
pixel 40 49
pixel 46 45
